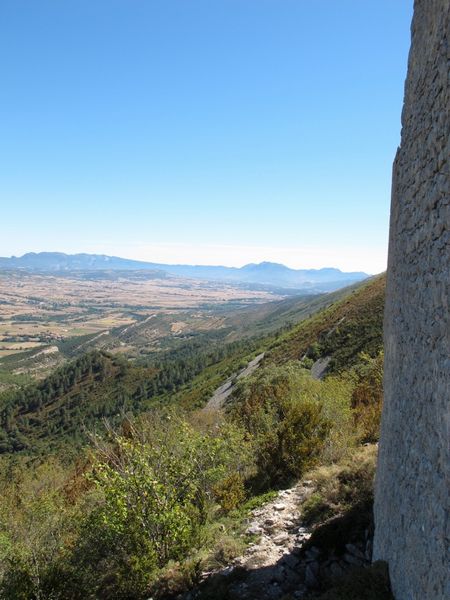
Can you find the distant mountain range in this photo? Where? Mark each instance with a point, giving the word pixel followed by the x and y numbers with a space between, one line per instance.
pixel 265 273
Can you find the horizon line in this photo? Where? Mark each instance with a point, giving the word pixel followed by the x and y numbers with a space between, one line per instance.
pixel 187 264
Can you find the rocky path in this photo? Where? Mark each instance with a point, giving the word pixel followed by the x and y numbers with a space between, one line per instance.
pixel 271 566
pixel 319 368
pixel 277 525
pixel 280 563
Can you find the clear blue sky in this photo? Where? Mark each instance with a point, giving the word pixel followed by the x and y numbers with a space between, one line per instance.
pixel 208 131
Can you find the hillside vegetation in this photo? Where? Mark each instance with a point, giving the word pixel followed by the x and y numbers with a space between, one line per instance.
pixel 342 331
pixel 139 505
pixel 75 399
pixel 72 400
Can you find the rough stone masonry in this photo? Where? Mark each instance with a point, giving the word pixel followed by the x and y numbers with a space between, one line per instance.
pixel 412 512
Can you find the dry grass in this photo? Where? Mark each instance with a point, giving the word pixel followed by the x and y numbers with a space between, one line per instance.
pixel 341 486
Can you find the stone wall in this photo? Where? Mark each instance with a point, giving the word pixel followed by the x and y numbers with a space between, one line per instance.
pixel 412 511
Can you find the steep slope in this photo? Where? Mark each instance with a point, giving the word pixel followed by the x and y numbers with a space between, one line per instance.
pixel 69 401
pixel 275 316
pixel 280 423
pixel 64 406
pixel 339 333
pixel 339 328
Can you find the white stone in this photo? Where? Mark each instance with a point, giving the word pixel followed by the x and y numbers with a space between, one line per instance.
pixel 412 489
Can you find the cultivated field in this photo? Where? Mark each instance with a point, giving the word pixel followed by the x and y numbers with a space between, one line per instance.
pixel 41 309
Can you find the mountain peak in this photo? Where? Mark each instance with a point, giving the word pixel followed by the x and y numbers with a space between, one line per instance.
pixel 265 273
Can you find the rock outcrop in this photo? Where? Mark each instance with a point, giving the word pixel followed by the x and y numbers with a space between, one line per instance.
pixel 413 478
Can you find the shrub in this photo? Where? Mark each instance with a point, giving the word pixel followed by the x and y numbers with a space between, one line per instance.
pixel 230 492
pixel 335 394
pixel 367 397
pixel 156 485
pixel 293 420
pixel 108 529
pixel 307 363
pixel 35 524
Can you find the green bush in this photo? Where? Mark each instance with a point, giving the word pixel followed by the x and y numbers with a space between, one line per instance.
pixel 283 412
pixel 367 397
pixel 307 363
pixel 35 525
pixel 150 494
pixel 156 486
pixel 230 492
pixel 294 421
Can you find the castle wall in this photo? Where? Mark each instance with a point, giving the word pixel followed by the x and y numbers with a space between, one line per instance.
pixel 412 500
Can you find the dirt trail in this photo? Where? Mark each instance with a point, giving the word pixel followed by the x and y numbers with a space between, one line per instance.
pixel 282 563
pixel 272 565
pixel 277 524
pixel 219 397
pixel 136 324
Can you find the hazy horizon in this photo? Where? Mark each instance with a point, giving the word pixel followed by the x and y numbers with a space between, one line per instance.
pixel 204 262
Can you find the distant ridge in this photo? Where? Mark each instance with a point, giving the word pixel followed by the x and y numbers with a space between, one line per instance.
pixel 264 273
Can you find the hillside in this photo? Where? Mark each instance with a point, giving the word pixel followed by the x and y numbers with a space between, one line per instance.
pixel 66 404
pixel 340 332
pixel 173 499
pixel 74 400
pixel 274 316
pixel 341 328
pixel 69 402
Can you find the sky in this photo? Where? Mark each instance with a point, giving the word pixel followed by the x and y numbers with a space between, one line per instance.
pixel 202 131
